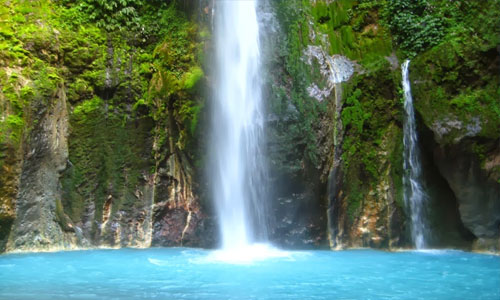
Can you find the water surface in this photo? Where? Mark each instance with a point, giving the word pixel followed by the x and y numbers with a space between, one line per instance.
pixel 180 273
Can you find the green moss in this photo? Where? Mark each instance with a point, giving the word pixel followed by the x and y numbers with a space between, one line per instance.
pixel 456 80
pixel 370 117
pixel 356 197
pixel 291 79
pixel 87 107
pixel 107 158
pixel 353 115
pixel 47 47
pixel 173 90
pixel 192 77
pixel 352 29
pixel 396 149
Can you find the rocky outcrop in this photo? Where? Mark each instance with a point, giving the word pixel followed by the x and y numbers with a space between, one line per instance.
pixel 455 85
pixel 178 219
pixel 37 225
pixel 478 195
pixel 10 168
pixel 349 149
pixel 379 220
pixel 9 177
pixel 363 165
pixel 298 218
pixel 326 148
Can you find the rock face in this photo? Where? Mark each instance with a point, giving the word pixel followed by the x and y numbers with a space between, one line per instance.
pixel 10 168
pixel 334 129
pixel 461 111
pixel 178 219
pixel 96 144
pixel 477 193
pixel 298 218
pixel 343 140
pixel 37 217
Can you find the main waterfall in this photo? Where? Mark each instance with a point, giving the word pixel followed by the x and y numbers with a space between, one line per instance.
pixel 238 171
pixel 415 196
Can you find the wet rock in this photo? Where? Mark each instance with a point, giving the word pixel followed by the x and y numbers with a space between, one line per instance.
pixel 36 226
pixel 179 226
pixel 478 194
pixel 297 223
pixel 333 69
pixel 451 126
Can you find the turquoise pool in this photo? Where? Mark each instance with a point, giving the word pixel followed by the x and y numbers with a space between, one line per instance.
pixel 181 273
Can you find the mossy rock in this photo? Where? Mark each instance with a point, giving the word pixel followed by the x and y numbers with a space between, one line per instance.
pixel 455 87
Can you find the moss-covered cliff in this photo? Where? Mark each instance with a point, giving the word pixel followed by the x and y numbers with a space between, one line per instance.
pixel 342 83
pixel 100 104
pixel 457 84
pixel 353 155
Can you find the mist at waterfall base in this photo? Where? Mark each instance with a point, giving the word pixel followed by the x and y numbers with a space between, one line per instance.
pixel 178 273
pixel 415 196
pixel 237 168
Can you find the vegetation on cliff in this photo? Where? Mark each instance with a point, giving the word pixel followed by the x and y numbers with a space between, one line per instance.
pixel 455 63
pixel 130 71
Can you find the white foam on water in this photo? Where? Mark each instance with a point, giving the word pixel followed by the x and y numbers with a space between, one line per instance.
pixel 437 251
pixel 157 262
pixel 246 255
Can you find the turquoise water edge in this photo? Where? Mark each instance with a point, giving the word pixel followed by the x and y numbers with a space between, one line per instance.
pixel 183 273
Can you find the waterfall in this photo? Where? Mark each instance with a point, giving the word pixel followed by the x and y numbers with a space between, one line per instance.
pixel 238 170
pixel 414 193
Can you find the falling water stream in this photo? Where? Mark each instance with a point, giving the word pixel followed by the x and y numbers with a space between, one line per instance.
pixel 415 196
pixel 238 170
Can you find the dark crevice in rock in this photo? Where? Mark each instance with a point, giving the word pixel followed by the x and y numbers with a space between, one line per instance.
pixel 5 228
pixel 445 223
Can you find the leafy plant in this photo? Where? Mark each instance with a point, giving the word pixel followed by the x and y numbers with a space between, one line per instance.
pixel 415 24
pixel 353 115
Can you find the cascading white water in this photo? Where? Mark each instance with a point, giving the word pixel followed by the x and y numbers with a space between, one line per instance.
pixel 238 171
pixel 415 195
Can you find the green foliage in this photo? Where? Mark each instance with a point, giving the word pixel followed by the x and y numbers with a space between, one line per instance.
pixel 15 121
pixel 87 107
pixel 353 114
pixel 111 15
pixel 459 78
pixel 415 24
pixel 12 107
pixel 192 77
pixel 142 22
pixel 16 124
pixel 292 77
pixel 370 116
pixel 352 29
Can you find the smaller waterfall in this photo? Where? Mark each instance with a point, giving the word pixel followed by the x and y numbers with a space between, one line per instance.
pixel 414 194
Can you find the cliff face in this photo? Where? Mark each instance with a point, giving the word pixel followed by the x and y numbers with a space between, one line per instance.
pixel 457 83
pixel 337 106
pixel 98 122
pixel 103 119
pixel 338 98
